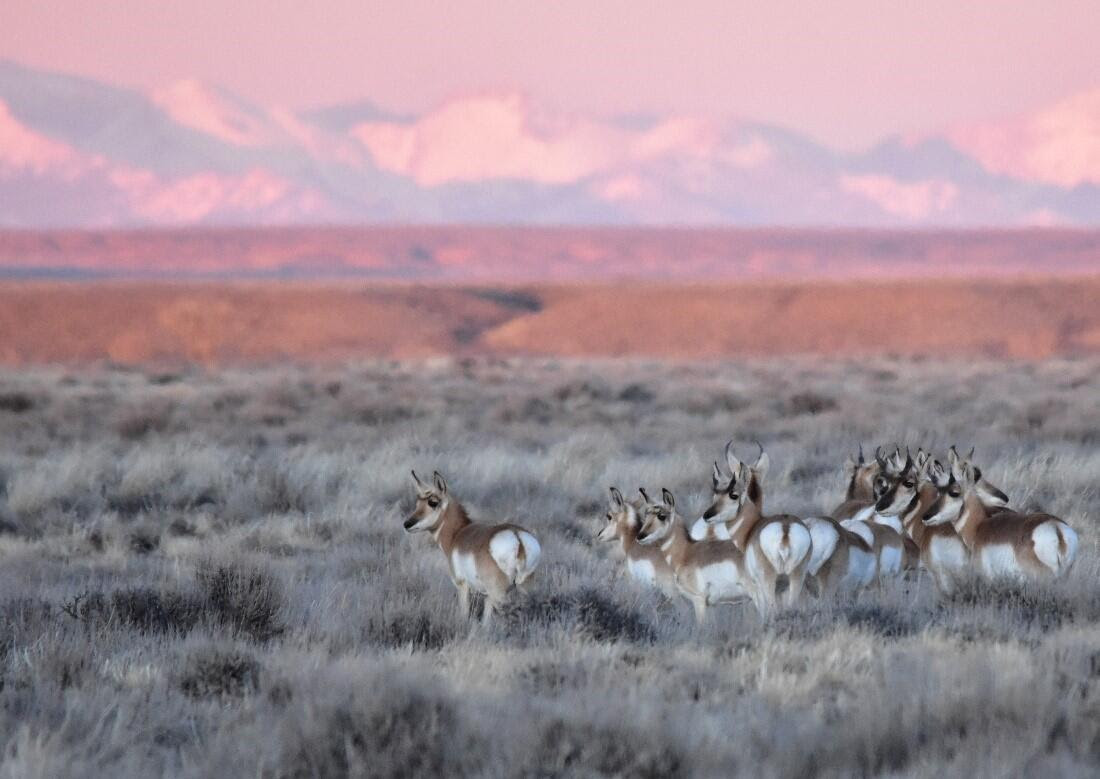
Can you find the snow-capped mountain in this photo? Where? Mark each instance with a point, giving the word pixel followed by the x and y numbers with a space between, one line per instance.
pixel 75 152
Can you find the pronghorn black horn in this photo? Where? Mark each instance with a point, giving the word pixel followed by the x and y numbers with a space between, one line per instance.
pixel 644 496
pixel 879 458
pixel 760 447
pixel 861 454
pixel 970 454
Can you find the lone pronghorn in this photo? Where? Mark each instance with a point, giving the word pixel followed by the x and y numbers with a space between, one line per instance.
pixel 706 572
pixel 488 559
pixel 644 563
pixel 775 546
pixel 1003 543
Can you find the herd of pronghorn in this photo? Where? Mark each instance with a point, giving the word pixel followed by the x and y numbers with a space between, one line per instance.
pixel 901 513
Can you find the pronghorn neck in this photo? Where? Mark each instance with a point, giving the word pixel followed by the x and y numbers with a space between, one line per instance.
pixel 911 521
pixel 741 526
pixel 674 545
pixel 454 518
pixel 970 519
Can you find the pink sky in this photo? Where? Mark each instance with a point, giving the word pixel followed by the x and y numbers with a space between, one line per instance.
pixel 848 76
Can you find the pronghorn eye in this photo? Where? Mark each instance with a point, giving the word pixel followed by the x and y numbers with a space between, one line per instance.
pixel 433 502
pixel 955 493
pixel 909 483
pixel 733 495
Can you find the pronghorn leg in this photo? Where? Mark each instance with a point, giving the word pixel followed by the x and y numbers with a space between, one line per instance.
pixel 794 588
pixel 700 605
pixel 464 599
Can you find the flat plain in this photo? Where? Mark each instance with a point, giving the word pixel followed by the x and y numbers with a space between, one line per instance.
pixel 204 573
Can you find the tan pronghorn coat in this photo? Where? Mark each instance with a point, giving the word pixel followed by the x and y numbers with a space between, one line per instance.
pixel 774 546
pixel 487 559
pixel 645 563
pixel 706 572
pixel 1005 543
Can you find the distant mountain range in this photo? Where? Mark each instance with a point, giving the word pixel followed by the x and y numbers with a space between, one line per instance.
pixel 79 153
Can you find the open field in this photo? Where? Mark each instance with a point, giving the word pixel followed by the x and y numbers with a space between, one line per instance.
pixel 204 573
pixel 219 324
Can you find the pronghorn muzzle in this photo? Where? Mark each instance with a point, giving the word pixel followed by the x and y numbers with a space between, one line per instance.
pixel 410 523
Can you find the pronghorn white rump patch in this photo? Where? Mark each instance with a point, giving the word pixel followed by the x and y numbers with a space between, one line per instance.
pixel 504 548
pixel 823 540
pixel 785 546
pixel 1049 539
pixel 701 530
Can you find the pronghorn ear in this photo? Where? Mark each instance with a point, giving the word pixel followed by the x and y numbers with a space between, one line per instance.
pixel 416 480
pixel 731 459
pixel 440 483
pixel 952 456
pixel 717 477
pixel 666 496
pixel 760 468
pixel 617 501
pixel 977 473
pixel 850 466
pixel 645 497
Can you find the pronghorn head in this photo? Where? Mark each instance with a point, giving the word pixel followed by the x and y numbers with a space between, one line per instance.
pixel 659 517
pixel 740 489
pixel 902 492
pixel 621 517
pixel 953 497
pixel 431 502
pixel 937 474
pixel 861 473
pixel 890 470
pixel 990 495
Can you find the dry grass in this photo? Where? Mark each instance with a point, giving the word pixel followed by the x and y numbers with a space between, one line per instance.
pixel 204 573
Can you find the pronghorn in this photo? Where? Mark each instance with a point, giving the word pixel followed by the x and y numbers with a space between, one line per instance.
pixel 893 555
pixel 774 546
pixel 941 550
pixel 645 563
pixel 861 479
pixel 992 498
pixel 488 559
pixel 706 572
pixel 839 559
pixel 1004 543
